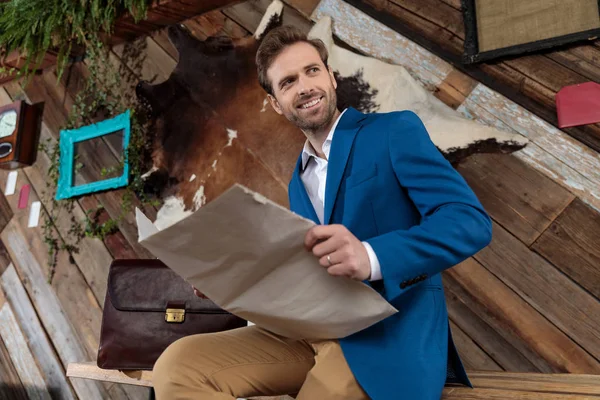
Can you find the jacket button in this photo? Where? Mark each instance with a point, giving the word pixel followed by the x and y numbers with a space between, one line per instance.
pixel 403 285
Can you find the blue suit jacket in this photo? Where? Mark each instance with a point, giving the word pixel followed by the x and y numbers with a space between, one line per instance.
pixel 389 185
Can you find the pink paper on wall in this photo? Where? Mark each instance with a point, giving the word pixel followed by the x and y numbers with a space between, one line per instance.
pixel 578 104
pixel 24 196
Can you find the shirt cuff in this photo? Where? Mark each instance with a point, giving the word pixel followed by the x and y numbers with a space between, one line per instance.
pixel 374 261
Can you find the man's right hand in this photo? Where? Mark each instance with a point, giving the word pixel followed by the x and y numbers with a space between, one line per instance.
pixel 199 293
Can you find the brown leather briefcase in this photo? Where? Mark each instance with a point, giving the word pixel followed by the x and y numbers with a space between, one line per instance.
pixel 147 307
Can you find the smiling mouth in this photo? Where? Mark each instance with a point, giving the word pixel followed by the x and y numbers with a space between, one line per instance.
pixel 311 104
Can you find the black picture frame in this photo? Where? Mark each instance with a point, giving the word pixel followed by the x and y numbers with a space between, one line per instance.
pixel 472 55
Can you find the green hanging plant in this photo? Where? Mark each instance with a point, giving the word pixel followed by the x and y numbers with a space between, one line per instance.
pixel 108 91
pixel 34 27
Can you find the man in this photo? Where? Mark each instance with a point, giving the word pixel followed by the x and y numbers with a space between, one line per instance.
pixel 391 212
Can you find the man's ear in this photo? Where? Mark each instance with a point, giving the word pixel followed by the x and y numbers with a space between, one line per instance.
pixel 275 104
pixel 332 77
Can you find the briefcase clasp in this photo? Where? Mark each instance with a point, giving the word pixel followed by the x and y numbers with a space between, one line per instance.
pixel 175 315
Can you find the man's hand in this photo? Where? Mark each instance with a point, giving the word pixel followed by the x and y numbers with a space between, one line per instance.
pixel 339 251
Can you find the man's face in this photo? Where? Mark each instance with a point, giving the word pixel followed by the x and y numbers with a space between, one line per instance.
pixel 303 88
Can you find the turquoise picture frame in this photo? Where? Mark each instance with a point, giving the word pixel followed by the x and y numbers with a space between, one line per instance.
pixel 68 139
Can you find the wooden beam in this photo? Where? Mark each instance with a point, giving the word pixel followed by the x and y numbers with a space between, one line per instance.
pixel 67 308
pixel 527 329
pixel 581 384
pixel 491 394
pixel 455 88
pixel 5 212
pixel 51 313
pixel 568 306
pixel 471 354
pixel 552 152
pixel 158 64
pixel 306 7
pixel 202 26
pixel 568 176
pixel 161 14
pixel 89 370
pixel 572 243
pixel 440 32
pixel 21 356
pixel 494 384
pixel 521 199
pixel 34 333
pixel 493 336
pixel 10 384
pixel 4 258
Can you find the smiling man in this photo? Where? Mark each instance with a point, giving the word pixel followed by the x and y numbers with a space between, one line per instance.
pixel 390 211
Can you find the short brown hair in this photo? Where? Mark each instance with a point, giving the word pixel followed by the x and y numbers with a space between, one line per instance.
pixel 274 43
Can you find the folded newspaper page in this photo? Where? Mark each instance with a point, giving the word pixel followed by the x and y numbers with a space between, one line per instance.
pixel 246 253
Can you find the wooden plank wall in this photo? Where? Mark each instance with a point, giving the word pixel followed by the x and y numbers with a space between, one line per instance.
pixel 551 151
pixel 530 80
pixel 528 302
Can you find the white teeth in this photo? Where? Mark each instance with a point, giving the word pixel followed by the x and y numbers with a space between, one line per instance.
pixel 312 103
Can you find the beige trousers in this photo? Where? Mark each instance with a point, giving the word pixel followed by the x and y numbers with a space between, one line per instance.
pixel 249 362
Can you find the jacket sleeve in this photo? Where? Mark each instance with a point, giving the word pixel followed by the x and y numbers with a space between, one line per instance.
pixel 453 225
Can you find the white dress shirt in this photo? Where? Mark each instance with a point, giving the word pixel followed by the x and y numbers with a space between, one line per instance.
pixel 314 177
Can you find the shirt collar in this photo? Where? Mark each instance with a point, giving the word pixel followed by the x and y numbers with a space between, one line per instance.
pixel 308 150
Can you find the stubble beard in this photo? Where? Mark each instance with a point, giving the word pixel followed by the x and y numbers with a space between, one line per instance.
pixel 311 126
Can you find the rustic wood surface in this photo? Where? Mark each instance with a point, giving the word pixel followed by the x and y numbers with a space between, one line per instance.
pixel 55 116
pixel 530 80
pixel 494 384
pixel 518 197
pixel 10 383
pixel 527 303
pixel 494 337
pixel 535 338
pixel 572 243
pixel 472 355
pixel 41 347
pixel 21 356
pixel 583 384
pixel 564 302
pixel 551 151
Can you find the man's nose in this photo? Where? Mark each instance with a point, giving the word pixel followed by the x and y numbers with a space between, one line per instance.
pixel 304 86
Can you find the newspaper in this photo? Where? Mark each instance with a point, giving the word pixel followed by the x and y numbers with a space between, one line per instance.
pixel 246 253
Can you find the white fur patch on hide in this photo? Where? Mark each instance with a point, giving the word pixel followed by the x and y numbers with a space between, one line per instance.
pixel 172 211
pixel 199 198
pixel 397 91
pixel 232 135
pixel 275 8
pixel 147 174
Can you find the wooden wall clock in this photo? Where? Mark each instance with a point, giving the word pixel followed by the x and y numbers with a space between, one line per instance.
pixel 20 125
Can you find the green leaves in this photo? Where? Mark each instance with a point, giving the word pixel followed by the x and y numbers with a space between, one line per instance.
pixel 34 27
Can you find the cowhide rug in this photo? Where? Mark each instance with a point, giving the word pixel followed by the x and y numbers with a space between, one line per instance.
pixel 214 126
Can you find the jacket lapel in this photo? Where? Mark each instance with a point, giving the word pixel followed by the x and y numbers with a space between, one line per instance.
pixel 343 138
pixel 301 199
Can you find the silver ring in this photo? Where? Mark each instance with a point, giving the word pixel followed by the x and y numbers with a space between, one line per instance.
pixel 329 260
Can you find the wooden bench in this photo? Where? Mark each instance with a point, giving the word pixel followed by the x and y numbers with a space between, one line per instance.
pixel 487 385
